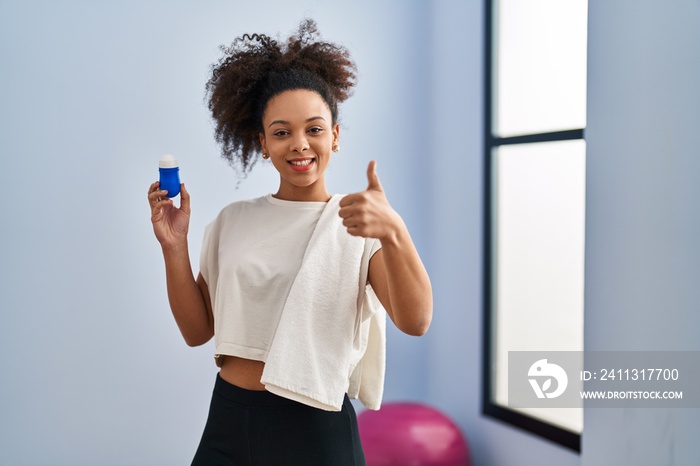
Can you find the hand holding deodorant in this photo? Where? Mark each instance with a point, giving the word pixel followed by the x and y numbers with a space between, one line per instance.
pixel 169 175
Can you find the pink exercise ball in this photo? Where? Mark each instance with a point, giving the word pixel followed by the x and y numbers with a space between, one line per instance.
pixel 411 434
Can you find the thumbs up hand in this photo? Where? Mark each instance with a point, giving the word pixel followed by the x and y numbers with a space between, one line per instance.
pixel 368 213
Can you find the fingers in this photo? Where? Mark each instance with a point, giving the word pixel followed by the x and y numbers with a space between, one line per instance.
pixel 360 225
pixel 355 198
pixel 354 217
pixel 351 204
pixel 163 203
pixel 155 193
pixel 347 200
pixel 354 231
pixel 157 201
pixel 153 188
pixel 351 226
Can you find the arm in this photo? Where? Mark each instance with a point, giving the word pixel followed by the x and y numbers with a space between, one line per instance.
pixel 396 271
pixel 189 298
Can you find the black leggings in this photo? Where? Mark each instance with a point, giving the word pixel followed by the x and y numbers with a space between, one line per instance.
pixel 258 428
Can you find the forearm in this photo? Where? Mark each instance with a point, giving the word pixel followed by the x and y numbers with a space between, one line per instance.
pixel 407 282
pixel 186 298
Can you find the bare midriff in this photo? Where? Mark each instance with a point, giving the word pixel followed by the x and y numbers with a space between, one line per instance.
pixel 243 373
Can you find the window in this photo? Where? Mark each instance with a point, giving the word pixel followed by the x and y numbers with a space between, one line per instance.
pixel 535 99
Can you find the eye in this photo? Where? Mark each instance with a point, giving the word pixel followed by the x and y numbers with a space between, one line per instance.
pixel 280 132
pixel 315 130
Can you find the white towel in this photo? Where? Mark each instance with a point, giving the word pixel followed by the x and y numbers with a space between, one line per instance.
pixel 367 379
pixel 331 336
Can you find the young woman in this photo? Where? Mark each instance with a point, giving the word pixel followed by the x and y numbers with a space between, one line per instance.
pixel 284 279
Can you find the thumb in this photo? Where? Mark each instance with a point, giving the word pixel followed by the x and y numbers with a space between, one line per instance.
pixel 372 177
pixel 184 199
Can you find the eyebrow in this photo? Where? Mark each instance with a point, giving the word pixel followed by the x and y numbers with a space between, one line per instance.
pixel 285 122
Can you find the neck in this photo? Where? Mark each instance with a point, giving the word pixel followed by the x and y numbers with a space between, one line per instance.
pixel 303 194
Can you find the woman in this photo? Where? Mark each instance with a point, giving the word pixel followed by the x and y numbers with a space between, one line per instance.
pixel 282 102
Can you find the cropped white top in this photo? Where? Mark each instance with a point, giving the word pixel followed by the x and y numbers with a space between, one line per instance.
pixel 250 256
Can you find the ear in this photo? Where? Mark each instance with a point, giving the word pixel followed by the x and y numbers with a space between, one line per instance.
pixel 263 145
pixel 336 134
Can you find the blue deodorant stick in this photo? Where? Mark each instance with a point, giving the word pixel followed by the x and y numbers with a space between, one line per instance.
pixel 169 175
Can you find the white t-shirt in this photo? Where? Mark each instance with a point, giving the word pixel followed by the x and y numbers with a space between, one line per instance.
pixel 250 256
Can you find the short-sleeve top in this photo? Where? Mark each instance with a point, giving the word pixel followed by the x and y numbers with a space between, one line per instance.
pixel 250 256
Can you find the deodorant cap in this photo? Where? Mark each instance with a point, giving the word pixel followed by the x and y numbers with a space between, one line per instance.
pixel 168 161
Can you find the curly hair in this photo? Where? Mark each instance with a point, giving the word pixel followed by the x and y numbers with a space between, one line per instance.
pixel 256 68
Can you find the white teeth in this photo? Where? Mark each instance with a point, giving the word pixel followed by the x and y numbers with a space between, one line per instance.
pixel 301 163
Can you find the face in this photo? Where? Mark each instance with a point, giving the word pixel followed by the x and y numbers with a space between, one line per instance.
pixel 299 135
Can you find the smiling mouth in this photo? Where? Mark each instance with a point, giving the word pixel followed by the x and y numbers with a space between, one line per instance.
pixel 301 165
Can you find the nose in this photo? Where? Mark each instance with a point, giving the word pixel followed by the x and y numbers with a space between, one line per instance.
pixel 299 143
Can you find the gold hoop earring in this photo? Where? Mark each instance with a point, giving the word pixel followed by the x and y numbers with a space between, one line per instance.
pixel 335 148
pixel 265 156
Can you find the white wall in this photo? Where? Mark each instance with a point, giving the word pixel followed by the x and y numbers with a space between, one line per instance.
pixel 642 256
pixel 92 367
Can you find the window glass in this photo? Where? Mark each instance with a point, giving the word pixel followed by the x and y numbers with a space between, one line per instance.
pixel 538 212
pixel 539 66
